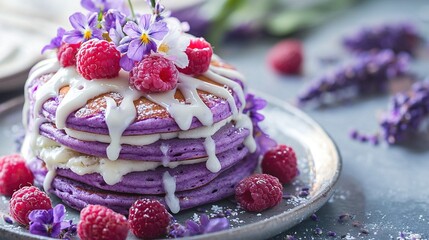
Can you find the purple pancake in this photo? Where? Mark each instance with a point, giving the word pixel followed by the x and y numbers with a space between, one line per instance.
pixel 228 137
pixel 95 123
pixel 77 195
pixel 150 182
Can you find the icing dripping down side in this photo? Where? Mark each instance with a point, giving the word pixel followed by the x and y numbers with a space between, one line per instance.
pixel 171 200
pixel 164 149
pixel 213 163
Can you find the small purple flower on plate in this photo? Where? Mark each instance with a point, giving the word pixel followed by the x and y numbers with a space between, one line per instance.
pixel 56 41
pixel 49 223
pixel 143 36
pixel 207 225
pixel 85 28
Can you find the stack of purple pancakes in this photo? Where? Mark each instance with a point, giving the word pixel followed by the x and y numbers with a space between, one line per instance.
pixel 157 158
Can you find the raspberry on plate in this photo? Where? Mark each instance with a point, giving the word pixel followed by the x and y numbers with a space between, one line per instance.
pixel 14 174
pixel 26 200
pixel 154 74
pixel 286 57
pixel 99 223
pixel 258 192
pixel 98 59
pixel 67 54
pixel 148 219
pixel 280 162
pixel 200 54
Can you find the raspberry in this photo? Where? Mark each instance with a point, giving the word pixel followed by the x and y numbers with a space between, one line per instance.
pixel 67 54
pixel 98 59
pixel 148 219
pixel 281 163
pixel 286 57
pixel 199 54
pixel 258 192
pixel 154 74
pixel 26 200
pixel 14 174
pixel 99 222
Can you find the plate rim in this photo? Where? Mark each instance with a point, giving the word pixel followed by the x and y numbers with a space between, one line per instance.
pixel 239 233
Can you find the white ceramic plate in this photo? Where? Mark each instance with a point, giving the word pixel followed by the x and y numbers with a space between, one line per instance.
pixel 319 165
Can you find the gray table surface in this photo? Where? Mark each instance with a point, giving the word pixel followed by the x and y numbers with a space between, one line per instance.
pixel 384 188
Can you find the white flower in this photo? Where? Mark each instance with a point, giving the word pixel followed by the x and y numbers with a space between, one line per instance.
pixel 173 47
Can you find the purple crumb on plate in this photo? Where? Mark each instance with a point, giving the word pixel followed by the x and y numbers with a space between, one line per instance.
pixel 7 219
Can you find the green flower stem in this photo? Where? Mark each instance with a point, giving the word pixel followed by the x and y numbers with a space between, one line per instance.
pixel 132 9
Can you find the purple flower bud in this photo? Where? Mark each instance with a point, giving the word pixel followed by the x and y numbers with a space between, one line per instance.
pixel 368 74
pixel 398 37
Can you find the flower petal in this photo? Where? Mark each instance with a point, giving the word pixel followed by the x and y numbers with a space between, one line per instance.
pixel 132 30
pixel 136 50
pixel 78 21
pixel 144 22
pixel 93 20
pixel 180 59
pixel 126 63
pixel 89 5
pixel 73 36
pixel 38 229
pixel 216 225
pixel 59 213
pixel 158 30
pixel 56 230
pixel 40 216
pixel 97 33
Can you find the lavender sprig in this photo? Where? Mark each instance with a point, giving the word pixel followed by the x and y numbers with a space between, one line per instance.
pixel 406 113
pixel 369 73
pixel 398 37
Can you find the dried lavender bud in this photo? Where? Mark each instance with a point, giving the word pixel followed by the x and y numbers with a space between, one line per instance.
pixel 407 112
pixel 344 218
pixel 228 212
pixel 287 196
pixel 314 217
pixel 356 224
pixel 398 37
pixel 364 231
pixel 303 194
pixel 305 189
pixel 368 74
pixel 318 231
pixel 290 237
pixel 7 219
pixel 331 234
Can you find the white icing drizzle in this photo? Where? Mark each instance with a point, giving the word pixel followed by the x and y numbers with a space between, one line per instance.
pixel 201 132
pixel 171 200
pixel 244 121
pixel 41 68
pixel 164 149
pixel 229 73
pixel 213 163
pixel 117 120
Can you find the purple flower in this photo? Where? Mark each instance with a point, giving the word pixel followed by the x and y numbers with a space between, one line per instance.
pixel 369 73
pixel 122 42
pixel 85 28
pixel 101 5
pixel 206 225
pixel 49 223
pixel 158 10
pixel 56 41
pixel 407 113
pixel 398 37
pixel 111 17
pixel 143 36
pixel 252 108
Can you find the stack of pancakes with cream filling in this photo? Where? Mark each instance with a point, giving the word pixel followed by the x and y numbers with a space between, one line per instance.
pixel 102 142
